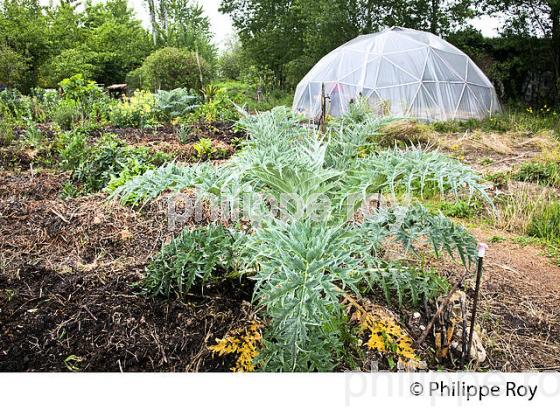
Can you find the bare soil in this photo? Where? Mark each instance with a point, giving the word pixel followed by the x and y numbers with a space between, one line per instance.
pixel 68 299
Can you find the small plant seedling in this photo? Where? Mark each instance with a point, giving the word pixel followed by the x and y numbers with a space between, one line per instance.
pixel 497 239
pixel 184 133
pixel 10 293
pixel 72 363
pixel 204 148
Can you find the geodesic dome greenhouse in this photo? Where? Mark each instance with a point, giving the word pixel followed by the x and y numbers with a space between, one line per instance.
pixel 401 72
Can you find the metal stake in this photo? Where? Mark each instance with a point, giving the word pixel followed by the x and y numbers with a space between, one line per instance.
pixel 481 252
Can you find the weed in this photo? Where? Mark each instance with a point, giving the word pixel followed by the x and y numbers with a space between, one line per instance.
pixel 517 207
pixel 499 179
pixel 545 224
pixel 461 208
pixel 72 363
pixel 403 133
pixel 497 239
pixel 544 173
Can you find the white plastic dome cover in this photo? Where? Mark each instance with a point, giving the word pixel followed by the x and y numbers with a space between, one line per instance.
pixel 402 72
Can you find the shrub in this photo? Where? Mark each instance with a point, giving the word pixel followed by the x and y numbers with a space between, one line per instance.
pixel 170 68
pixel 13 66
pixel 135 111
pixel 66 114
pixel 69 63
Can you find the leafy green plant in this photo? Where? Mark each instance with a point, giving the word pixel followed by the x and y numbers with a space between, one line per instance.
pixel 66 114
pixel 304 265
pixel 184 133
pixel 82 92
pixel 203 148
pixel 108 163
pixel 135 111
pixel 169 177
pixel 408 285
pixel 175 103
pixel 460 209
pixel 201 255
pixel 544 173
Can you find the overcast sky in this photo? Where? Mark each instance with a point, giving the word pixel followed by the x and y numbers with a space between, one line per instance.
pixel 222 27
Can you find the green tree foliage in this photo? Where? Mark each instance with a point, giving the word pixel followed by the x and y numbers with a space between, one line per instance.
pixel 170 68
pixel 68 63
pixel 13 66
pixel 532 18
pixel 290 36
pixel 102 41
pixel 181 24
pixel 117 37
pixel 23 28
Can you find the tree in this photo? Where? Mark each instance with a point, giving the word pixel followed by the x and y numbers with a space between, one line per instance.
pixel 117 38
pixel 13 66
pixel 23 28
pixel 181 24
pixel 69 63
pixel 170 68
pixel 532 18
pixel 289 36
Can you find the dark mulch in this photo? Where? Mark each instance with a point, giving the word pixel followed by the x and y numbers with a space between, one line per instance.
pixel 52 322
pixel 67 270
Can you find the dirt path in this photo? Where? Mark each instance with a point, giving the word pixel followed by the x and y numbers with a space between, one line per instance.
pixel 520 306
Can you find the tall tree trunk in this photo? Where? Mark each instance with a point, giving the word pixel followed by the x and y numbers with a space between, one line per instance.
pixel 153 20
pixel 434 16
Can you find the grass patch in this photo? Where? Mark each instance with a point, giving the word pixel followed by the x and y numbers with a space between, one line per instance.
pixel 545 224
pixel 516 120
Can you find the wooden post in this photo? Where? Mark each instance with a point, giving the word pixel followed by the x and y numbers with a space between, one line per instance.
pixel 322 120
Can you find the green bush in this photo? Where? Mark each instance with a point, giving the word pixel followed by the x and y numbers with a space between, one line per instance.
pixel 170 68
pixel 66 114
pixel 108 163
pixel 13 66
pixel 136 111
